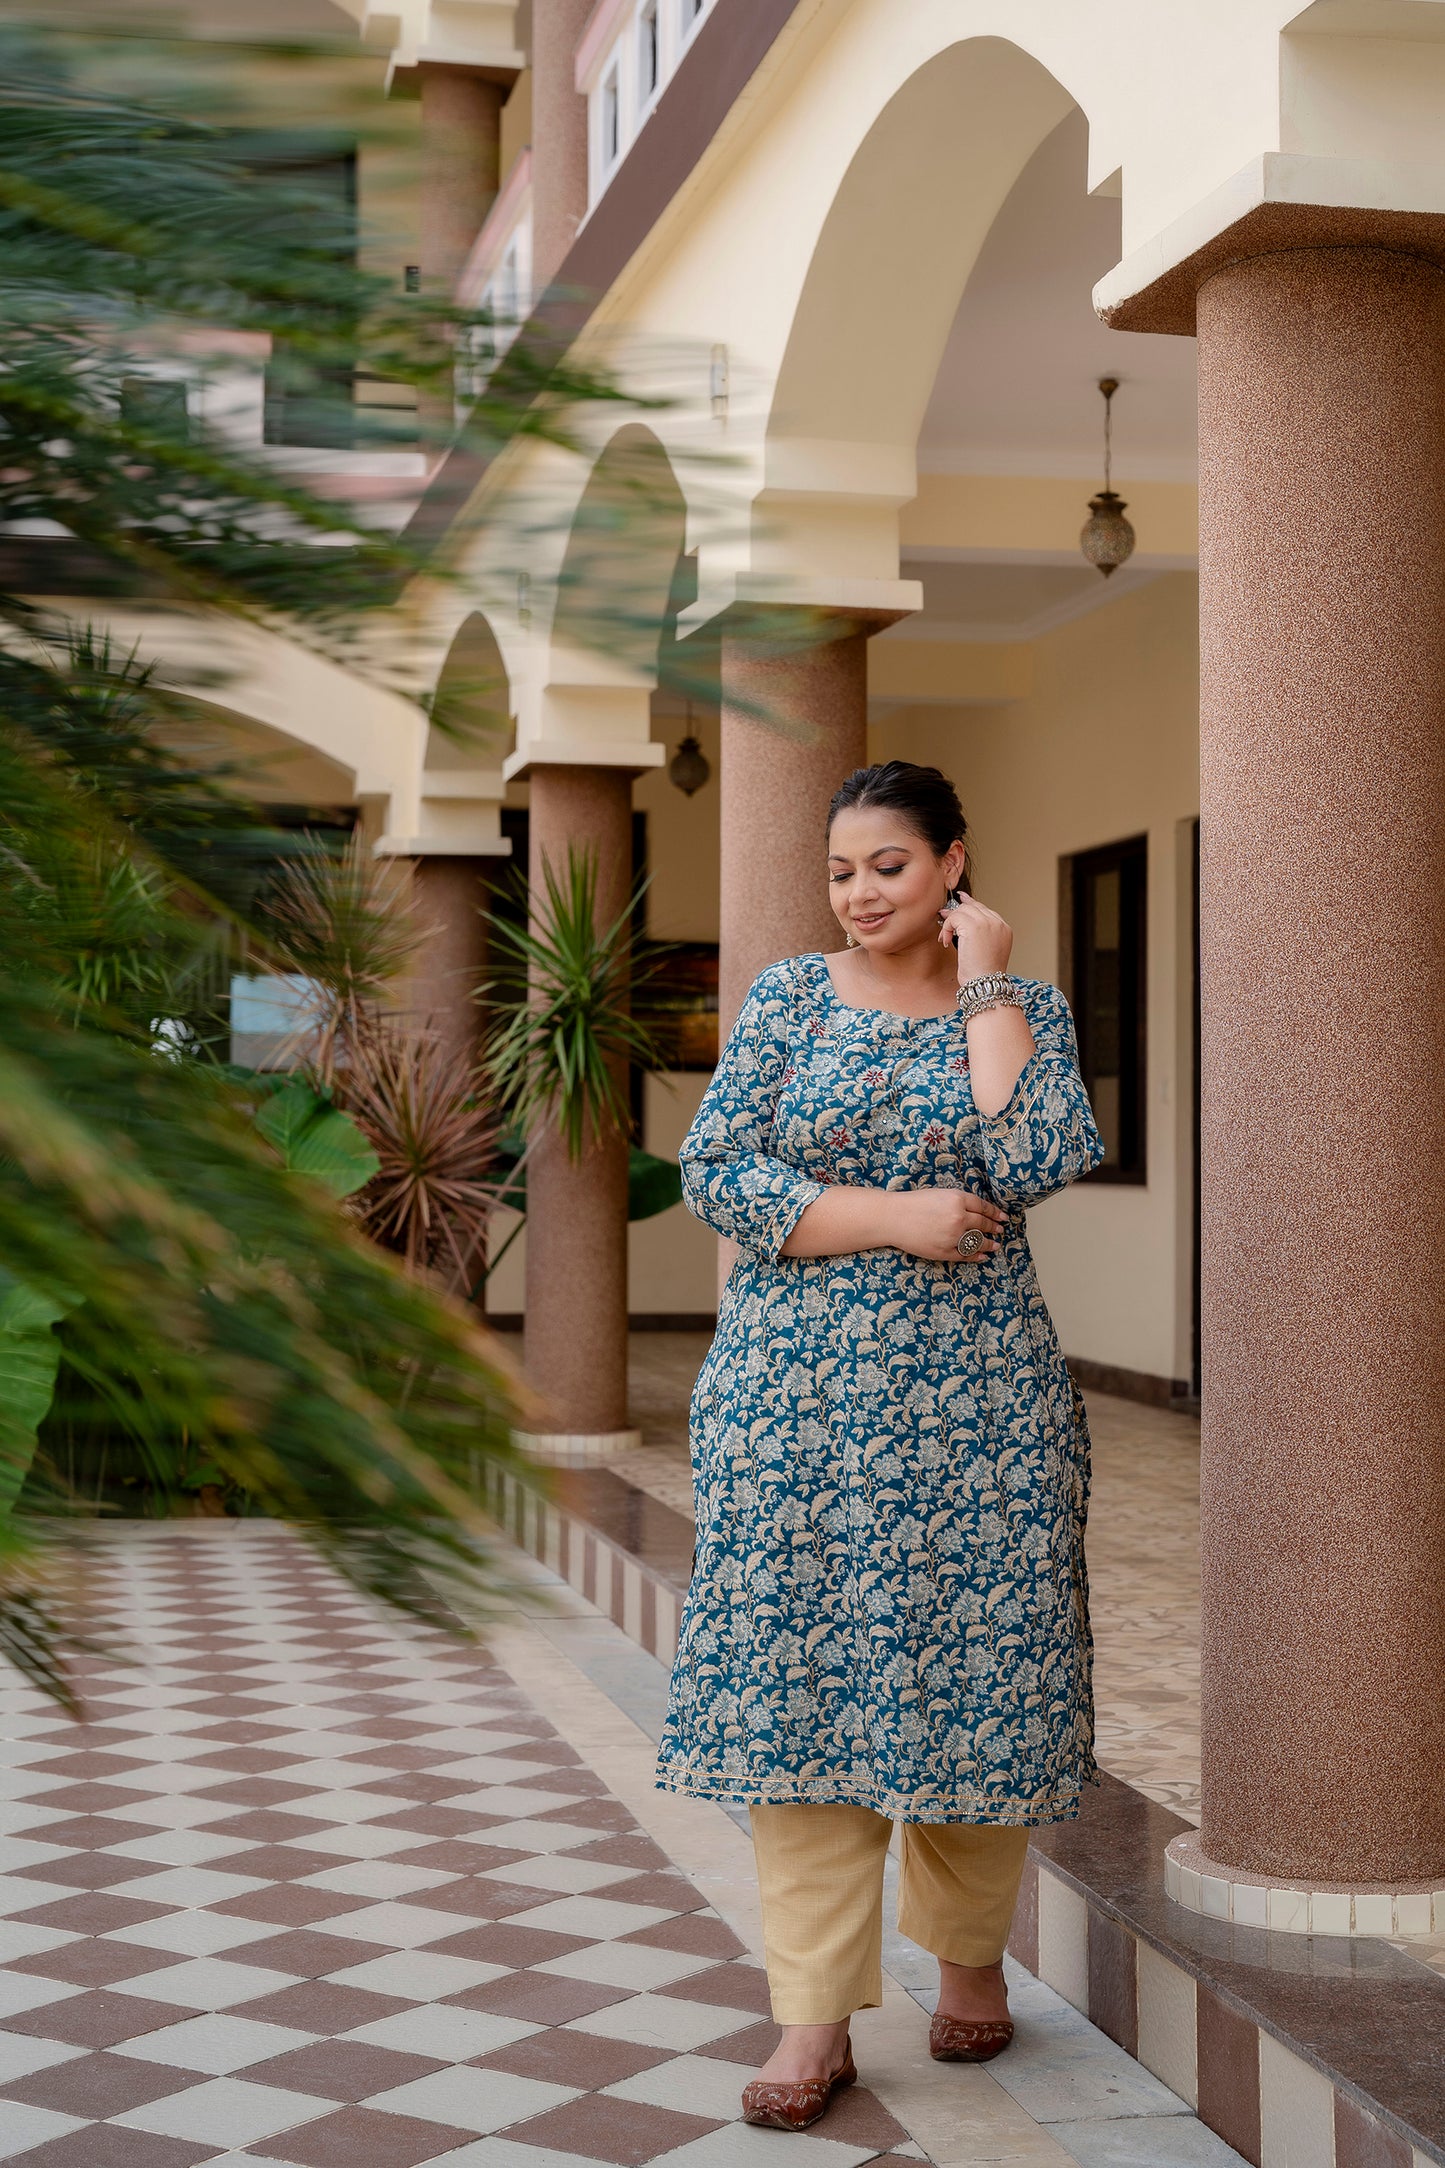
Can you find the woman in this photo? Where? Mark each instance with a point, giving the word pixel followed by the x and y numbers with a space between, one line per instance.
pixel 888 1613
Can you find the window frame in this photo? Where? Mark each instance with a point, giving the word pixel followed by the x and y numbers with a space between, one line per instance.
pixel 1129 856
pixel 649 17
pixel 609 117
pixel 690 14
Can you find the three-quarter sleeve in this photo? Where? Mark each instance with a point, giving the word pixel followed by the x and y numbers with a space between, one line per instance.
pixel 731 1175
pixel 1045 1137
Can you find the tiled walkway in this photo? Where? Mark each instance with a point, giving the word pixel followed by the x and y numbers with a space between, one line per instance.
pixel 316 1888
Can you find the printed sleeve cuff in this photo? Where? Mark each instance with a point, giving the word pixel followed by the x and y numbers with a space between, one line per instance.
pixel 785 1218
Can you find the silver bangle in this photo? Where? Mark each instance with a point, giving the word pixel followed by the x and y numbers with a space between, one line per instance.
pixel 995 990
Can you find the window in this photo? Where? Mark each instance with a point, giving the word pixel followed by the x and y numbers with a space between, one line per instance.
pixel 508 296
pixel 308 402
pixel 155 402
pixel 1103 896
pixel 647 52
pixel 691 9
pixel 611 121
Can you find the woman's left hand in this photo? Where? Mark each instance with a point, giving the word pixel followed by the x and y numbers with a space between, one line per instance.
pixel 985 942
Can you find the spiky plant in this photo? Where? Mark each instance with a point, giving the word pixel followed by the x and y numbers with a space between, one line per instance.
pixel 346 922
pixel 563 1031
pixel 420 1106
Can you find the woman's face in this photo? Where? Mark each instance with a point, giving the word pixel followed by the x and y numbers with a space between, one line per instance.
pixel 884 883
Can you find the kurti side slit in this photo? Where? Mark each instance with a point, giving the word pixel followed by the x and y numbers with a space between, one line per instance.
pixel 888 1606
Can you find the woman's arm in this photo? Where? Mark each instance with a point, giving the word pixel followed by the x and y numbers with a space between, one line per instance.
pixel 922 1222
pixel 731 1177
pixel 1044 1136
pixel 1000 1047
pixel 1000 1043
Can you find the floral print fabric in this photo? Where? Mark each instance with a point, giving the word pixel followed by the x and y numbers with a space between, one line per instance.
pixel 888 1605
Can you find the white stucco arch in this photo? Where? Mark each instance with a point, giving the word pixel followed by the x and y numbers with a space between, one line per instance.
pixel 596 665
pixel 302 698
pixel 883 283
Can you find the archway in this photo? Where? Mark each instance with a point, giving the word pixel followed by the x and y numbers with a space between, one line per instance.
pixel 619 567
pixel 470 714
pixel 893 256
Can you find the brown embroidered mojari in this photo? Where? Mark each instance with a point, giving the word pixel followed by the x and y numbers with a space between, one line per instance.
pixel 964 2040
pixel 794 2106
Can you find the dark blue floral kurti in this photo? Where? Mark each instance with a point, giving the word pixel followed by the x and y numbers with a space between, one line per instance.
pixel 889 1605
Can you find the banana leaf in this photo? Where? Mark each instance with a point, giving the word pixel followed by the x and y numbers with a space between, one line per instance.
pixel 29 1360
pixel 314 1138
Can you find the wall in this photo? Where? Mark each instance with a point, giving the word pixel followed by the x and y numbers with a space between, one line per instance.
pixel 1105 745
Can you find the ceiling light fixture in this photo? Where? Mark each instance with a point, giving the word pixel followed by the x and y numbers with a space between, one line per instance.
pixel 689 767
pixel 1107 538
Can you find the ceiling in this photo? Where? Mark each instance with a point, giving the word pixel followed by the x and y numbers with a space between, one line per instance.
pixel 1017 394
pixel 969 599
pixel 1017 389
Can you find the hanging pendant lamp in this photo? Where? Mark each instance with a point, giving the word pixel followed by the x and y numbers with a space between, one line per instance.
pixel 689 767
pixel 1107 538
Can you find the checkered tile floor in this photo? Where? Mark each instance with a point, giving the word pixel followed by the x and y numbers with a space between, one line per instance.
pixel 314 1887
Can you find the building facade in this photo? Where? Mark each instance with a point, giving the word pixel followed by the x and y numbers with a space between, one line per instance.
pixel 864 268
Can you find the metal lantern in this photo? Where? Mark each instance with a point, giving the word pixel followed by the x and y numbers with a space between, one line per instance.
pixel 689 767
pixel 1107 538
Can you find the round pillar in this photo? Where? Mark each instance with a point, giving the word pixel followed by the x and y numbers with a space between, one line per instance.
pixel 559 135
pixel 794 723
pixel 450 896
pixel 575 1339
pixel 1322 595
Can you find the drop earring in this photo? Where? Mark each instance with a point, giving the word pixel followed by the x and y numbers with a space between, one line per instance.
pixel 850 941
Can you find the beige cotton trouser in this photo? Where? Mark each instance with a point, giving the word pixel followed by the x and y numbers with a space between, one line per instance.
pixel 820 1877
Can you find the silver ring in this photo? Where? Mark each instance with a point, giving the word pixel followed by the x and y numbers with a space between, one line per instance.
pixel 969 1243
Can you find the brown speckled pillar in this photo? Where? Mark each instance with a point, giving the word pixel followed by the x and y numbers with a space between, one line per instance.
pixel 1322 594
pixel 575 1343
pixel 450 895
pixel 559 134
pixel 794 723
pixel 461 117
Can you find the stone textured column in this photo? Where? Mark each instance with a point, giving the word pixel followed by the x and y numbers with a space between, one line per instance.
pixel 559 135
pixel 575 1342
pixel 461 118
pixel 450 895
pixel 794 723
pixel 1322 579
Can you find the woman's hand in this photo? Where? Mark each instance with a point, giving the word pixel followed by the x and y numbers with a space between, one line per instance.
pixel 928 1223
pixel 985 943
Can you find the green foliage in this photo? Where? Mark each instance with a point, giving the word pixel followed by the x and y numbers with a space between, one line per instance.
pixel 134 235
pixel 564 1033
pixel 315 1139
pixel 29 1359
pixel 226 1322
pixel 653 1185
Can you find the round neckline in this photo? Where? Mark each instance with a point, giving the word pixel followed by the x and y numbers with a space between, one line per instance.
pixel 853 1008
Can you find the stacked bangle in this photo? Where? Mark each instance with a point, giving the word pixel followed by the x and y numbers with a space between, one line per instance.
pixel 996 990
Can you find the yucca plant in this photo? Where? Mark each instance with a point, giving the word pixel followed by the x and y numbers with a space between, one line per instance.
pixel 348 924
pixel 563 1032
pixel 345 922
pixel 420 1105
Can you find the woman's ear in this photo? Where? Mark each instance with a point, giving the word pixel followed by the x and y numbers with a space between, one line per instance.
pixel 955 866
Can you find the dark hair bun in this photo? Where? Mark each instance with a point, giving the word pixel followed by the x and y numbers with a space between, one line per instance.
pixel 923 798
